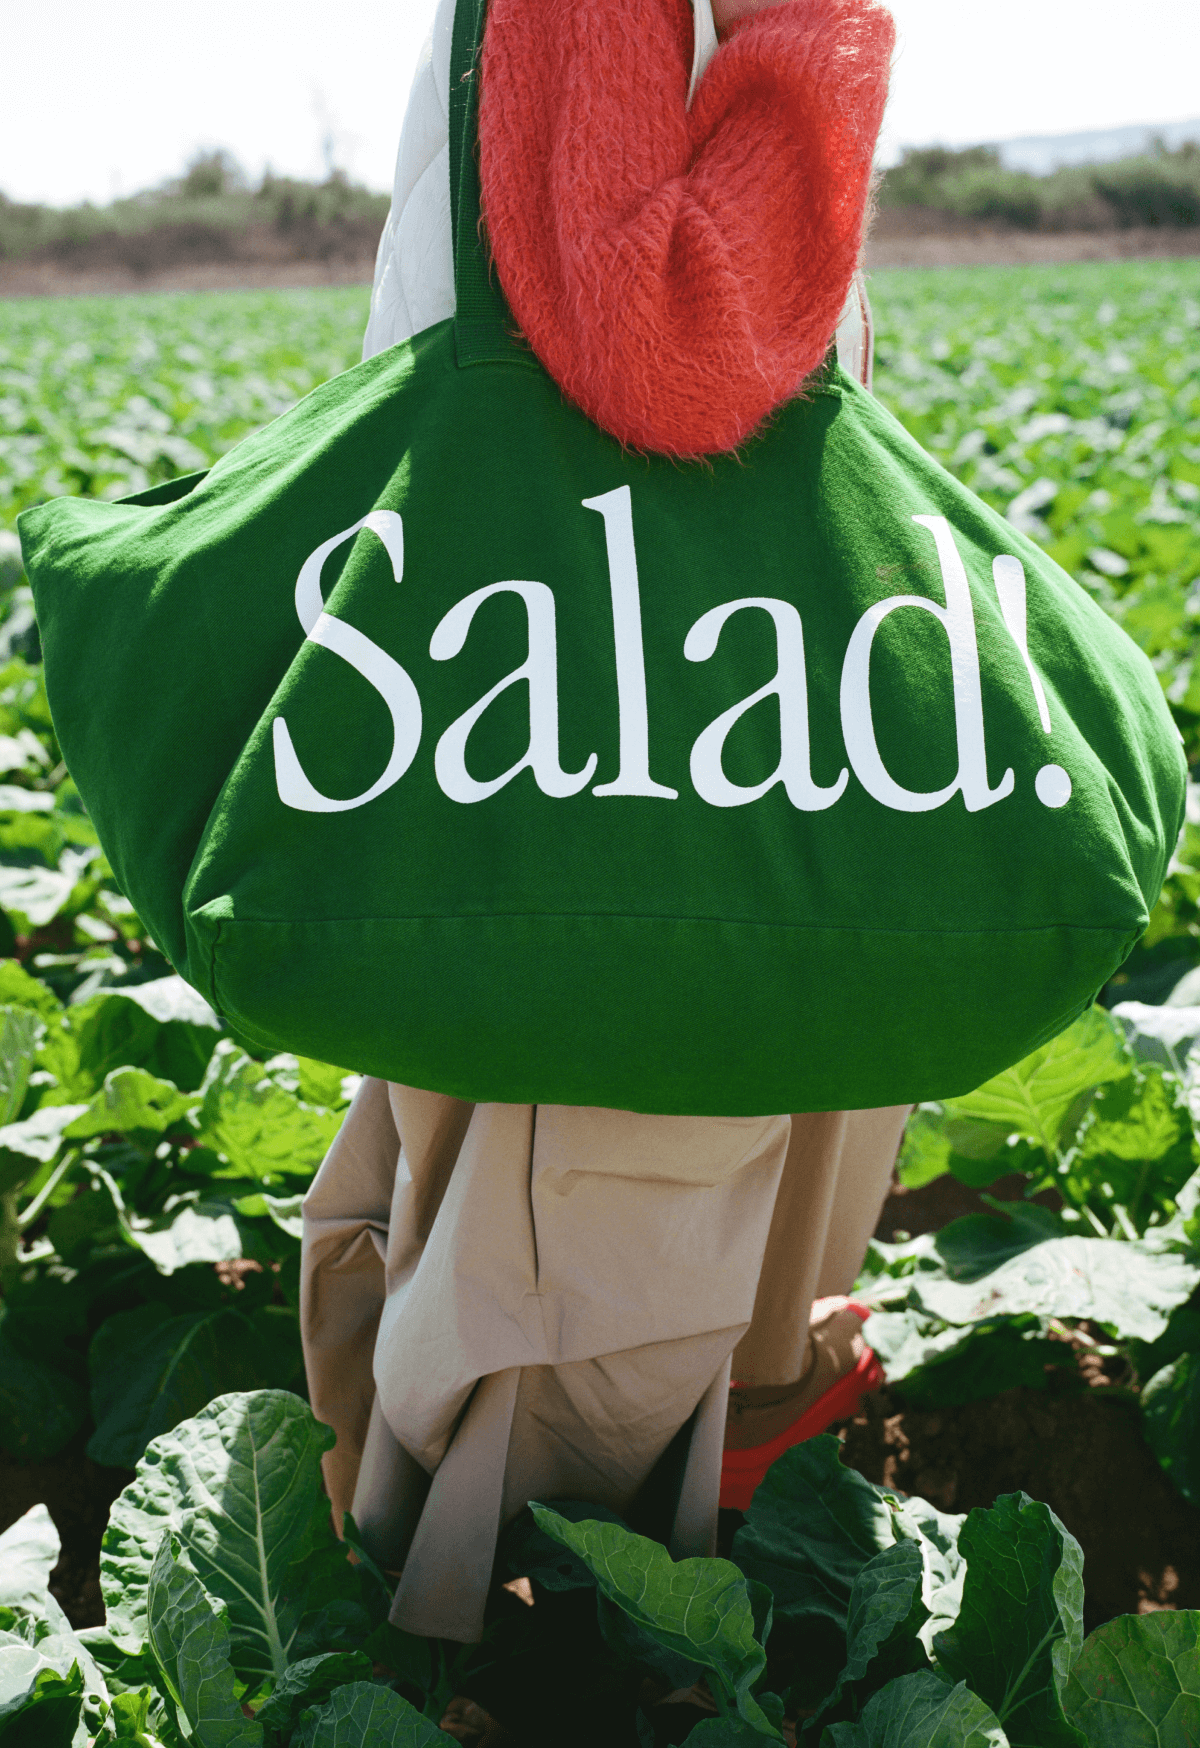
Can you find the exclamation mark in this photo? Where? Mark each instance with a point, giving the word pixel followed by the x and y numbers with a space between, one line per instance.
pixel 1052 784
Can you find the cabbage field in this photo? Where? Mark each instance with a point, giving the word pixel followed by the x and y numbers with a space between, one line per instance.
pixel 1044 1254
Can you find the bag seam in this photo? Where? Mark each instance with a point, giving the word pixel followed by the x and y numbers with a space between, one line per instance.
pixel 223 923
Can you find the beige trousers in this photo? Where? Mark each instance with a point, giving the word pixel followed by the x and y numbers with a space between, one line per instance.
pixel 506 1302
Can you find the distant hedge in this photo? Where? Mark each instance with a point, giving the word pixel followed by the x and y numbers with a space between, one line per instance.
pixel 210 213
pixel 1159 188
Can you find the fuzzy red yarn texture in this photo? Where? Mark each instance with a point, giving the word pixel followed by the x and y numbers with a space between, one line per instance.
pixel 679 274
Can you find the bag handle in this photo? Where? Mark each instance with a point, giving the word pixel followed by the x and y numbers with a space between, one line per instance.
pixel 483 323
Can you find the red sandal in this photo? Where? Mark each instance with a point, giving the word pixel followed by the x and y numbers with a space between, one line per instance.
pixel 742 1471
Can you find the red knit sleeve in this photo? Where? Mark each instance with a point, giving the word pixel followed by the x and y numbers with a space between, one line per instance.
pixel 679 275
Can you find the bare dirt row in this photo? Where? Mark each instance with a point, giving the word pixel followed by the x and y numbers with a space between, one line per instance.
pixel 899 239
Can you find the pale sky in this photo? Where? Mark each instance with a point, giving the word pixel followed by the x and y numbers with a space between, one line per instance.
pixel 101 99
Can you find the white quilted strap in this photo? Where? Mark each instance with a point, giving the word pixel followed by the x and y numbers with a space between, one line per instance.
pixel 705 44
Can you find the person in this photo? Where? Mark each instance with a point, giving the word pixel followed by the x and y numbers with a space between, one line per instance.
pixel 512 1302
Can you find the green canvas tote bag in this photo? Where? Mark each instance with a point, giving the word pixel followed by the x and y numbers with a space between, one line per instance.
pixel 433 734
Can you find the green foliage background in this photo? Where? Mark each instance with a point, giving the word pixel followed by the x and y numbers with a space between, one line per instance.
pixel 235 1620
pixel 140 1145
pixel 1069 398
pixel 151 1169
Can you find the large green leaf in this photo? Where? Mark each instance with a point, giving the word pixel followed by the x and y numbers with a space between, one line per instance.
pixel 241 1486
pixel 39 1708
pixel 14 799
pixel 58 1057
pixel 92 1219
pixel 147 1719
pixel 1018 1155
pixel 936 1534
pixel 1171 1422
pixel 698 1609
pixel 136 1720
pixel 974 1138
pixel 812 1526
pixel 182 1054
pixel 126 1028
pixel 317 1083
pixel 1136 1683
pixel 1021 1622
pixel 306 1685
pixel 285 1212
pixel 332 1605
pixel 728 1732
pixel 361 1715
pixel 1133 1287
pixel 187 1029
pixel 46 1309
pixel 919 1711
pixel 132 1099
pixel 111 1032
pixel 1140 1119
pixel 978 1243
pixel 21 1034
pixel 23 991
pixel 189 1636
pixel 1135 1149
pixel 188 1232
pixel 1182 1335
pixel 150 1370
pixel 25 1146
pixel 888 1269
pixel 43 1628
pixel 40 1407
pixel 170 999
pixel 263 1130
pixel 1034 1097
pixel 1163 1035
pixel 29 1551
pixel 935 1365
pixel 525 1550
pixel 321 1083
pixel 37 894
pixel 885 1607
pixel 925 1152
pixel 41 1623
pixel 883 1628
pixel 629 1647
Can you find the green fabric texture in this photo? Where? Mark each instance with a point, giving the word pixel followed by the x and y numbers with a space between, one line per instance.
pixel 591 890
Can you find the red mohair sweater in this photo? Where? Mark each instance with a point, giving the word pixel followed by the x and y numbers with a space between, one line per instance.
pixel 679 275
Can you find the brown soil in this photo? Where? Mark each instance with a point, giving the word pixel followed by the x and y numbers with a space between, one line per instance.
pixel 1082 1454
pixel 194 259
pixel 49 279
pixel 78 1494
pixel 916 238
